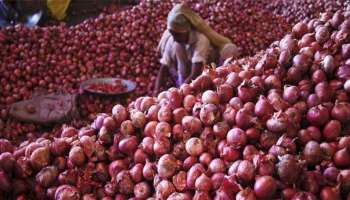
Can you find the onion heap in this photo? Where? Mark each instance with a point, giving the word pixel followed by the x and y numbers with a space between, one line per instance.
pixel 287 113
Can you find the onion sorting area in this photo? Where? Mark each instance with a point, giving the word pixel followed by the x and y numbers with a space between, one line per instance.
pixel 273 124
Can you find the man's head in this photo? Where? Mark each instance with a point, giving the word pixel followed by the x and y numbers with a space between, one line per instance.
pixel 179 27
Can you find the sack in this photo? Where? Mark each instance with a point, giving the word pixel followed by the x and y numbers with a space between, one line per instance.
pixel 58 8
pixel 46 109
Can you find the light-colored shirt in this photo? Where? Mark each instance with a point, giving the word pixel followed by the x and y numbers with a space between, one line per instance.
pixel 198 49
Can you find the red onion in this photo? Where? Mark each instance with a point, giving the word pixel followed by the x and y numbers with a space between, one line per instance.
pixel 265 187
pixel 116 166
pixel 193 173
pixel 341 112
pixel 152 113
pixel 162 130
pixel 343 72
pixel 236 137
pixel 318 115
pixel 209 114
pixel 288 169
pixel 189 162
pixel 342 158
pixel 138 119
pixel 344 179
pixel 313 100
pixel 136 172
pixel 178 196
pixel 191 124
pixel 150 129
pixel 225 92
pixel 217 179
pixel 217 166
pixel 323 91
pixel 127 127
pixel 312 153
pixel 7 162
pixel 179 181
pixel 229 115
pixel 211 97
pixel 128 145
pixel 161 146
pixel 205 158
pixel 5 182
pixel 245 171
pixel 304 195
pixel 285 58
pixel 263 107
pixel 328 193
pixel 236 103
pixel 175 97
pixel 149 170
pixel 220 129
pixel 299 29
pixel 246 194
pixel 142 190
pixel 278 122
pixel 178 114
pixel 244 119
pixel 328 150
pixel 201 196
pixel 230 153
pixel 203 183
pixel 166 166
pixel 347 86
pixel 47 176
pixel 331 130
pixel 67 192
pixel 189 102
pixel 247 92
pixel 165 114
pixel 119 113
pixel 291 94
pixel 164 189
pixel 40 157
pixel 59 146
pixel 233 79
pixel 125 182
pixel 288 193
pixel 331 174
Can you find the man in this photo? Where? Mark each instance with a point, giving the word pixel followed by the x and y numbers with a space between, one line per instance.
pixel 187 45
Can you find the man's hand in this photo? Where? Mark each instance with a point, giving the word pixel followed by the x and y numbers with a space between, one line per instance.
pixel 196 70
